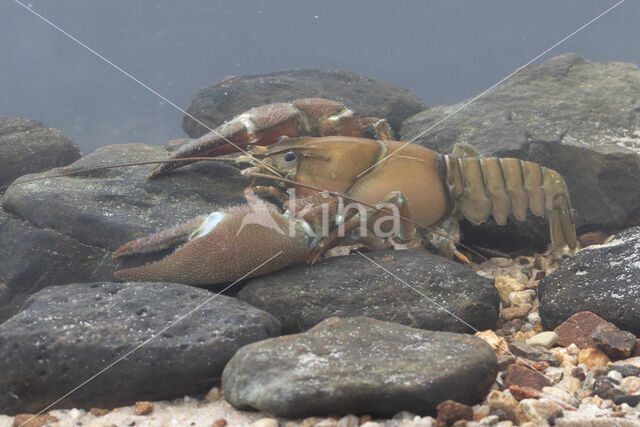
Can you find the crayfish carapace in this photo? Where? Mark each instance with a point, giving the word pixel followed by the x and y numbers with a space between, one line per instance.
pixel 426 191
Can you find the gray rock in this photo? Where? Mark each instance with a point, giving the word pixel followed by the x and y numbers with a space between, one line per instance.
pixel 536 353
pixel 578 117
pixel 223 100
pixel 604 280
pixel 626 370
pixel 28 146
pixel 62 230
pixel 607 388
pixel 302 296
pixel 616 343
pixel 67 334
pixel 359 366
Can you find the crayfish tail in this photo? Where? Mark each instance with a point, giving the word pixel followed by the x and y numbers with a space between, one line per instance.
pixel 561 225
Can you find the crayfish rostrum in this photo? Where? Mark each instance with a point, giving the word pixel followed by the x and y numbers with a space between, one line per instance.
pixel 316 145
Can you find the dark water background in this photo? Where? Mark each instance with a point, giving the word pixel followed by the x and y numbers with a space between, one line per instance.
pixel 443 51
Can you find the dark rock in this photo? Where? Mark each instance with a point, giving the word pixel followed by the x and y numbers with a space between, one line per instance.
pixel 607 388
pixel 577 330
pixel 28 146
pixel 67 334
pixel 214 104
pixel 569 114
pixel 604 280
pixel 630 399
pixel 62 230
pixel 359 366
pixel 302 296
pixel 523 376
pixel 626 370
pixel 536 353
pixel 451 411
pixel 616 343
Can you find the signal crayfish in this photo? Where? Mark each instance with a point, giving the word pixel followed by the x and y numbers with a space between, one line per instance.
pixel 317 150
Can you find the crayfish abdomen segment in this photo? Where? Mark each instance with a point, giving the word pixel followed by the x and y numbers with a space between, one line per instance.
pixel 491 186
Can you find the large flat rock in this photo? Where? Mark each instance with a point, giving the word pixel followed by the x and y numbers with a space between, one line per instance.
pixel 67 334
pixel 359 366
pixel 438 293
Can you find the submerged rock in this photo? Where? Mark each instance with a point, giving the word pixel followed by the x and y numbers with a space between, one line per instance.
pixel 436 291
pixel 63 230
pixel 28 146
pixel 569 114
pixel 359 366
pixel 68 334
pixel 214 104
pixel 602 279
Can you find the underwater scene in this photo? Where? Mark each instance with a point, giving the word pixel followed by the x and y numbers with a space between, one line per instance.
pixel 340 213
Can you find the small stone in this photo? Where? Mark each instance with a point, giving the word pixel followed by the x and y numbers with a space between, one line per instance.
pixel 506 423
pixel 525 377
pixel 220 422
pixel 577 329
pixel 143 408
pixel 616 343
pixel 505 285
pixel 348 421
pixel 634 361
pixel 592 238
pixel 593 357
pixel 480 411
pixel 364 419
pixel 544 339
pixel 538 366
pixel 607 388
pixel 567 356
pixel 636 349
pixel 371 424
pixel 266 422
pixel 598 371
pixel 626 370
pixel 451 411
pixel 505 360
pixel 561 395
pixel 404 415
pixel 631 400
pixel 213 395
pixel 522 335
pixel 539 411
pixel 498 344
pixel 630 385
pixel 555 374
pixel 533 317
pixel 32 420
pixel 537 353
pixel 518 298
pixel 503 404
pixel 518 312
pixel 97 412
pixel 489 420
pixel 571 384
pixel 615 375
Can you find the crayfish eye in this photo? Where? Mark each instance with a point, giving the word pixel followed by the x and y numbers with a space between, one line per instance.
pixel 290 157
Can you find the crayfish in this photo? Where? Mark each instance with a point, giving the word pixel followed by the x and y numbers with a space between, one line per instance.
pixel 318 147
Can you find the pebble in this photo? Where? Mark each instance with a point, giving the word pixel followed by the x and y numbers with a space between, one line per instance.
pixel 498 344
pixel 503 404
pixel 555 374
pixel 143 408
pixel 616 343
pixel 577 329
pixel 567 356
pixel 592 357
pixel 220 422
pixel 626 370
pixel 630 385
pixel 517 312
pixel 525 377
pixel 607 388
pixel 544 339
pixel 213 395
pixel 615 375
pixel 265 422
pixel 348 421
pixel 631 400
pixel 32 420
pixel 451 411
pixel 526 296
pixel 505 285
pixel 538 411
